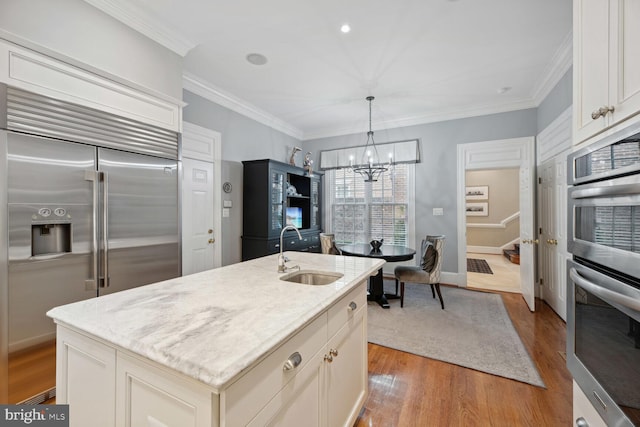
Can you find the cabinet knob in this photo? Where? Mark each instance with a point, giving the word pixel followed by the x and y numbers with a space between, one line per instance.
pixel 210 231
pixel 581 422
pixel 211 241
pixel 352 306
pixel 328 358
pixel 602 111
pixel 292 362
pixel 333 352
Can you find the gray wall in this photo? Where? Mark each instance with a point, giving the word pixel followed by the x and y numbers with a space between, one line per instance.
pixel 75 31
pixel 436 175
pixel 242 139
pixel 559 99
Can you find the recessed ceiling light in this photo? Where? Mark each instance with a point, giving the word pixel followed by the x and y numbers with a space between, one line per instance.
pixel 504 89
pixel 257 59
pixel 345 28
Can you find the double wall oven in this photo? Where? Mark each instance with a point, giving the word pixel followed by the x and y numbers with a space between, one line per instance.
pixel 603 296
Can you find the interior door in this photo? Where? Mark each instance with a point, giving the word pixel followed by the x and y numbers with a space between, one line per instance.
pixel 198 242
pixel 140 196
pixel 528 239
pixel 553 238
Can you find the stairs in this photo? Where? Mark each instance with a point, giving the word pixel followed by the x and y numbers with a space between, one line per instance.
pixel 513 255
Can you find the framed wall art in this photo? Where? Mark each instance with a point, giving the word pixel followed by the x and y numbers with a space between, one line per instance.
pixel 477 193
pixel 477 209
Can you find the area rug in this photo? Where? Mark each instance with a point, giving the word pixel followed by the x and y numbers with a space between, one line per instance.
pixel 478 266
pixel 474 330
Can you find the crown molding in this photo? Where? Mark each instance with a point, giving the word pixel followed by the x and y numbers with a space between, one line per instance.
pixel 145 24
pixel 557 68
pixel 219 96
pixel 453 114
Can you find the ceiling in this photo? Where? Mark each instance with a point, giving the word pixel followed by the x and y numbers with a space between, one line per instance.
pixel 423 60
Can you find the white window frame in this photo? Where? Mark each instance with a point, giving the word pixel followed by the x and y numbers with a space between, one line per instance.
pixel 329 194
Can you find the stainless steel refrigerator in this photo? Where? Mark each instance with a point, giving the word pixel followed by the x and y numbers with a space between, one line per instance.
pixel 84 217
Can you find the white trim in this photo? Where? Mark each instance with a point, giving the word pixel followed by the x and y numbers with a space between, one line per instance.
pixel 556 137
pixel 213 155
pixel 440 116
pixel 214 94
pixel 506 153
pixel 557 68
pixel 140 21
pixel 501 224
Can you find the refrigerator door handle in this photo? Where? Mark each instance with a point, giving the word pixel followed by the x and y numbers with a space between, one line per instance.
pixel 105 229
pixel 93 176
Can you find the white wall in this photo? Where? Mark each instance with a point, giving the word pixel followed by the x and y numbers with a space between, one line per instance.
pixel 78 33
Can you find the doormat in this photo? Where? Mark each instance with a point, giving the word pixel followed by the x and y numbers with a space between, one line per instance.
pixel 478 266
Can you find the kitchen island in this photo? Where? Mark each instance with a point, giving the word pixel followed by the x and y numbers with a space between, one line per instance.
pixel 225 347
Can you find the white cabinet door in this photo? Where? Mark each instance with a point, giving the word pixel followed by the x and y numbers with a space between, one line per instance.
pixel 584 410
pixel 624 55
pixel 606 64
pixel 149 396
pixel 298 403
pixel 591 65
pixel 346 371
pixel 91 402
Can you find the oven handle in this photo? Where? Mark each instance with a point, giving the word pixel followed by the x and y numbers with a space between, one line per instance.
pixel 604 293
pixel 601 191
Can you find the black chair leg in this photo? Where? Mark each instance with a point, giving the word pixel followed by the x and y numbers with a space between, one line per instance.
pixel 401 294
pixel 432 291
pixel 439 295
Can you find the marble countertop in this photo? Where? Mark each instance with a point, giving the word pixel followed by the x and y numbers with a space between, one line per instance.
pixel 215 324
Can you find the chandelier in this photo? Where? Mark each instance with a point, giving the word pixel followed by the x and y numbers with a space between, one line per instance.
pixel 370 166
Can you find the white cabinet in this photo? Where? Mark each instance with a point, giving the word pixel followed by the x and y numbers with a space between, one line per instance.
pixel 583 410
pixel 346 380
pixel 318 377
pixel 606 64
pixel 85 376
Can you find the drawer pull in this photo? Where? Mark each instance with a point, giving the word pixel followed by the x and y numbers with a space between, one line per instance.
pixel 352 306
pixel 333 352
pixel 328 358
pixel 292 362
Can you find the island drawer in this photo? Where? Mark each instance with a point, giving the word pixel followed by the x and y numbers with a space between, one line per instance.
pixel 251 392
pixel 342 311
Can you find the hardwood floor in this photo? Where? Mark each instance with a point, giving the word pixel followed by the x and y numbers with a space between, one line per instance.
pixel 409 390
pixel 31 372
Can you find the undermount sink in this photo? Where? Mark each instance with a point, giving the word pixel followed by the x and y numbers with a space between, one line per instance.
pixel 311 277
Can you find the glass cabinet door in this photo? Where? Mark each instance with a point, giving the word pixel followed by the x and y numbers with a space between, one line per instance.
pixel 277 200
pixel 315 204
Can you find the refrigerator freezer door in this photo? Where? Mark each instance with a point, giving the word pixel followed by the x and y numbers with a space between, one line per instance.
pixel 141 201
pixel 48 199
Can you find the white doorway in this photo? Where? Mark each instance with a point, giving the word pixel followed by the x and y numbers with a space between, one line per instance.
pixel 201 199
pixel 510 153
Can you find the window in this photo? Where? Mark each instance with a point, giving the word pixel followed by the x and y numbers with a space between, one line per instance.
pixel 361 211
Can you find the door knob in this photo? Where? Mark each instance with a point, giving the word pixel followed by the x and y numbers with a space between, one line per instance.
pixel 212 241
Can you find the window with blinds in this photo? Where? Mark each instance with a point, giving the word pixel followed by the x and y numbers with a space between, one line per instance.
pixel 361 211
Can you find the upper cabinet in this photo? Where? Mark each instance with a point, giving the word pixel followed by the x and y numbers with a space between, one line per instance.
pixel 606 64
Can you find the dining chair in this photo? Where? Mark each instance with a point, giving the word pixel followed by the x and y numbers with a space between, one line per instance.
pixel 428 272
pixel 328 244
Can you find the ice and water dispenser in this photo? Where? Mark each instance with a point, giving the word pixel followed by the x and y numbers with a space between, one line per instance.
pixel 49 239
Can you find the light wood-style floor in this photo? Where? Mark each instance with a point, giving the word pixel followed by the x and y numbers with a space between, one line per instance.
pixel 505 277
pixel 32 371
pixel 409 390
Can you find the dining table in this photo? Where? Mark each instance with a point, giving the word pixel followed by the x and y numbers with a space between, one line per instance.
pixel 389 253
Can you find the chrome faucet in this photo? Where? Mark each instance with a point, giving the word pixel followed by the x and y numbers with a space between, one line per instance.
pixel 281 258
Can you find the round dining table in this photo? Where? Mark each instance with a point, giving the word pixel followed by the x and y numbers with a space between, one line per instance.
pixel 389 253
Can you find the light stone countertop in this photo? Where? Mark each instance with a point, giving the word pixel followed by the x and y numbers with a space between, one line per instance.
pixel 213 325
